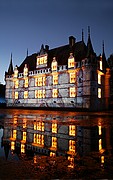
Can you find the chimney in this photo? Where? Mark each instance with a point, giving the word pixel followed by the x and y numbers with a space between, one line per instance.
pixel 71 40
pixel 46 47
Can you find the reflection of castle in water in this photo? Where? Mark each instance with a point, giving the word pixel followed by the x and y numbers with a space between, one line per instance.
pixel 53 137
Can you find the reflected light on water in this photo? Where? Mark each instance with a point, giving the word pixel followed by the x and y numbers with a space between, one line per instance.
pixel 43 138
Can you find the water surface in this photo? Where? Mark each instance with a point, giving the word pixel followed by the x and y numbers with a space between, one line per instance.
pixel 57 144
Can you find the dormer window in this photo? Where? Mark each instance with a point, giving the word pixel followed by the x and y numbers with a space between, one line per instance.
pixel 25 70
pixel 41 60
pixel 71 61
pixel 54 64
pixel 15 72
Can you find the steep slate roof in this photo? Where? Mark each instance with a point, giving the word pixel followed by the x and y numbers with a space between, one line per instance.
pixel 61 53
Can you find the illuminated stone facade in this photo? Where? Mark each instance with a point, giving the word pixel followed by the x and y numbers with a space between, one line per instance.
pixel 69 76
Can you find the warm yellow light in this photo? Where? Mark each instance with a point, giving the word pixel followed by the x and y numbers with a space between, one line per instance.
pixel 25 70
pixel 25 94
pixel 102 159
pixel 41 60
pixel 16 95
pixel 22 148
pixel 99 79
pixel 12 145
pixel 99 130
pixel 24 123
pixel 54 64
pixel 35 159
pixel 54 128
pixel 71 160
pixel 72 146
pixel 16 83
pixel 14 133
pixel 72 92
pixel 44 81
pixel 24 136
pixel 52 154
pixel 15 120
pixel 99 92
pixel 54 142
pixel 72 130
pixel 26 83
pixel 39 139
pixel 72 77
pixel 40 81
pixel 55 93
pixel 100 144
pixel 71 61
pixel 100 63
pixel 55 79
pixel 15 72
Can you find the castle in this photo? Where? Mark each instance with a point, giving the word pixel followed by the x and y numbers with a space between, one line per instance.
pixel 69 76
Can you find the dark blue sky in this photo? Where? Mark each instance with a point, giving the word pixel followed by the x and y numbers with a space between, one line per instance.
pixel 29 23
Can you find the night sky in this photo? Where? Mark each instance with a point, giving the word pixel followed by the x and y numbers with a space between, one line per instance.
pixel 31 23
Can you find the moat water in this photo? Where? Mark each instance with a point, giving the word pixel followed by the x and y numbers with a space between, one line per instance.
pixel 37 144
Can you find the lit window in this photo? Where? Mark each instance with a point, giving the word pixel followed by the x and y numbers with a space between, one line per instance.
pixel 16 84
pixel 39 126
pixel 99 92
pixel 72 92
pixel 22 148
pixel 39 139
pixel 16 95
pixel 44 81
pixel 71 160
pixel 39 93
pixel 24 136
pixel 72 77
pixel 40 81
pixel 54 142
pixel 44 93
pixel 100 144
pixel 55 93
pixel 72 146
pixel 100 62
pixel 36 81
pixel 54 64
pixel 52 154
pixel 54 128
pixel 71 61
pixel 36 93
pixel 25 70
pixel 100 130
pixel 72 130
pixel 12 145
pixel 55 79
pixel 15 72
pixel 26 83
pixel 41 60
pixel 14 133
pixel 99 79
pixel 25 94
pixel 102 159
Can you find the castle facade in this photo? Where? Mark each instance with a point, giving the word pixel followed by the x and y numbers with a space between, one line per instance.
pixel 69 76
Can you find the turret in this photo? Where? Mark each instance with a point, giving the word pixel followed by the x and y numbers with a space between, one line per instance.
pixel 90 50
pixel 10 69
